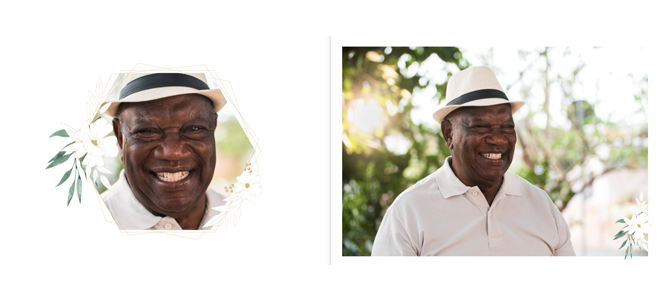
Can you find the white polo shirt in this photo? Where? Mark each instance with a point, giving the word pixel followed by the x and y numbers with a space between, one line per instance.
pixel 130 214
pixel 439 215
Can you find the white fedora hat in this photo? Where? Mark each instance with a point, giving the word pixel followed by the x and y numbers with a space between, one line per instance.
pixel 474 86
pixel 140 87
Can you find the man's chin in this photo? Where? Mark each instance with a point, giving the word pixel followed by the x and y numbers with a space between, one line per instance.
pixel 493 175
pixel 175 206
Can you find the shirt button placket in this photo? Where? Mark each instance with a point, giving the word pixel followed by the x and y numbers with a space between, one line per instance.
pixel 168 226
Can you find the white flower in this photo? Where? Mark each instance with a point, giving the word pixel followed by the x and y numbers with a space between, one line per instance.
pixel 97 144
pixel 233 198
pixel 248 185
pixel 77 136
pixel 92 140
pixel 638 225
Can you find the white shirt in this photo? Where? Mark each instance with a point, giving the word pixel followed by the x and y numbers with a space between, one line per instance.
pixel 439 215
pixel 130 214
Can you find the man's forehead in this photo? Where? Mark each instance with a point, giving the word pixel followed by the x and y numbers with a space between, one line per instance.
pixel 150 111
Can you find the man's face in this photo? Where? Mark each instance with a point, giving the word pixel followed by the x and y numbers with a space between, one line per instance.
pixel 168 149
pixel 482 140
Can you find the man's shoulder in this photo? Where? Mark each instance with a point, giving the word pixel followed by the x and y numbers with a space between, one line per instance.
pixel 416 195
pixel 529 190
pixel 119 191
pixel 109 195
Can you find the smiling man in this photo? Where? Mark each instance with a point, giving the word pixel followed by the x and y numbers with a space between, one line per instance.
pixel 164 124
pixel 473 205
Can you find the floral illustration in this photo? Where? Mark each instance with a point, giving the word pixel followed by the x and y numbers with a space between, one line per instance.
pixel 636 230
pixel 90 142
pixel 248 186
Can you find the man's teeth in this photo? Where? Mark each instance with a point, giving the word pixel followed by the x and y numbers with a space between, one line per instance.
pixel 170 177
pixel 492 155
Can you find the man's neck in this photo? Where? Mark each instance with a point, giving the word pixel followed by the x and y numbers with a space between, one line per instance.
pixel 488 188
pixel 193 219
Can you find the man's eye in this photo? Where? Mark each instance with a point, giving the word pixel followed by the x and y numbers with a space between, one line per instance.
pixel 147 131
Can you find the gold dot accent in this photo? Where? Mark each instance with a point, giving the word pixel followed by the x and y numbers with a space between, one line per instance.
pixel 247 185
pixel 95 143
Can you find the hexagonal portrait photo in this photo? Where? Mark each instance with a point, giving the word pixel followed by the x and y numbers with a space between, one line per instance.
pixel 166 149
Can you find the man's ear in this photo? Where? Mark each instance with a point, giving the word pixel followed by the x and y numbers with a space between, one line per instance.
pixel 116 128
pixel 447 133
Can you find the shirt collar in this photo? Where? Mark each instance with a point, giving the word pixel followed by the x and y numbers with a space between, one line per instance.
pixel 130 214
pixel 451 186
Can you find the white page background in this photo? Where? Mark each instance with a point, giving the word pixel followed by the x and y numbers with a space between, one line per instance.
pixel 276 56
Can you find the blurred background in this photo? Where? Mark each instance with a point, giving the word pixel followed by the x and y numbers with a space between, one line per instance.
pixel 582 134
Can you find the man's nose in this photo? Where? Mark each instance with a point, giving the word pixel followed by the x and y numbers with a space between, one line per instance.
pixel 172 148
pixel 496 137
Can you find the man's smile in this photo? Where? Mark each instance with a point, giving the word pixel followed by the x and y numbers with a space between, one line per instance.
pixel 492 155
pixel 172 177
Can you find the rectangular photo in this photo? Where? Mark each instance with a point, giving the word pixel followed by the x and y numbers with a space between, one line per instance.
pixel 494 151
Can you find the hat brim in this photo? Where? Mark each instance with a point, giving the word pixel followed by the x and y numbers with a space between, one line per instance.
pixel 441 113
pixel 215 95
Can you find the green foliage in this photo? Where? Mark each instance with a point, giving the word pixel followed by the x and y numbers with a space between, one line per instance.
pixel 60 132
pixel 550 153
pixel 620 234
pixel 73 184
pixel 66 175
pixel 232 141
pixel 372 175
pixel 58 155
pixel 624 243
pixel 59 160
pixel 79 189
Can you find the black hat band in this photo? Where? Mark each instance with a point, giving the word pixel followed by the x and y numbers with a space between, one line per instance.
pixel 477 95
pixel 158 80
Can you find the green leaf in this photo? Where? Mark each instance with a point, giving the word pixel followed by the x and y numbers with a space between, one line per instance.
pixel 83 168
pixel 58 155
pixel 631 249
pixel 624 243
pixel 96 119
pixel 620 235
pixel 620 221
pixel 79 188
pixel 67 145
pixel 65 177
pixel 60 132
pixel 60 160
pixel 626 254
pixel 71 191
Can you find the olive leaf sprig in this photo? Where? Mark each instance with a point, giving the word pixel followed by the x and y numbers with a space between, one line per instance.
pixel 636 230
pixel 89 144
